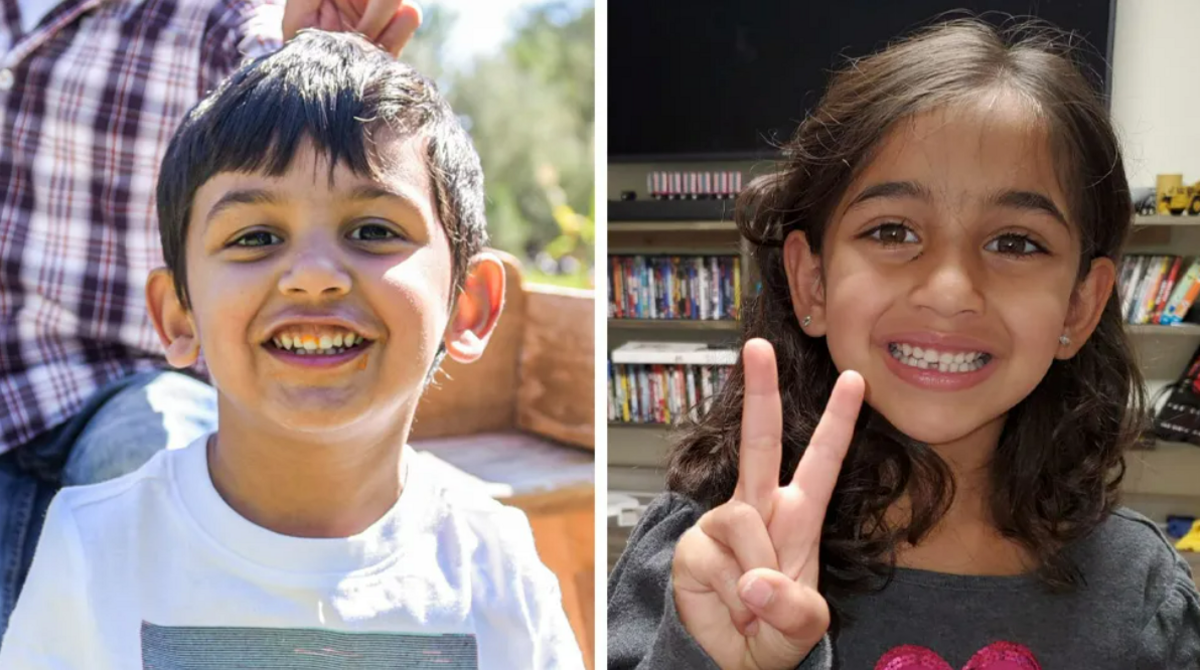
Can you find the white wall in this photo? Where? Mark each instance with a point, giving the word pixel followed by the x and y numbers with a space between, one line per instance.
pixel 1156 88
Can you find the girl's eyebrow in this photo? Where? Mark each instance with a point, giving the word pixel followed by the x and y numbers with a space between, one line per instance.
pixel 891 189
pixel 1030 201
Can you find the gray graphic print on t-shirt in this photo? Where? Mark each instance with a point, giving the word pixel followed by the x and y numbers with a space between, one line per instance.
pixel 218 648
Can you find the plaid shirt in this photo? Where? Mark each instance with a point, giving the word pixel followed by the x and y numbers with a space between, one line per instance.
pixel 88 103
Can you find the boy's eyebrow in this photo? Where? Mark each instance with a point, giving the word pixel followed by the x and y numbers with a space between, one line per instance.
pixel 375 192
pixel 891 189
pixel 1028 201
pixel 249 196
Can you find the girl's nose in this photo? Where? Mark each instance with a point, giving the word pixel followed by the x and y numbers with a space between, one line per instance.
pixel 316 272
pixel 948 285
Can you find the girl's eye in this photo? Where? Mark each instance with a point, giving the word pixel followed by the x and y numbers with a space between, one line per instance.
pixel 893 234
pixel 372 232
pixel 257 238
pixel 1014 244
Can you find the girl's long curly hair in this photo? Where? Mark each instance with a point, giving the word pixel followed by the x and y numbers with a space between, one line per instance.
pixel 1056 471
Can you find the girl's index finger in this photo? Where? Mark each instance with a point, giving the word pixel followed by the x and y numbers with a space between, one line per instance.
pixel 762 428
pixel 818 471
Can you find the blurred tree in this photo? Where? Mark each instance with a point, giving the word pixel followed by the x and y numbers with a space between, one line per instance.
pixel 530 108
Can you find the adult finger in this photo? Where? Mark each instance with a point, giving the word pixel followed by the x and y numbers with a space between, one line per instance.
pixel 298 15
pixel 401 29
pixel 350 12
pixel 376 17
pixel 762 428
pixel 818 471
pixel 330 19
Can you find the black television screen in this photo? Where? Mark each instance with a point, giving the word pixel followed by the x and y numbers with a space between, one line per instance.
pixel 714 79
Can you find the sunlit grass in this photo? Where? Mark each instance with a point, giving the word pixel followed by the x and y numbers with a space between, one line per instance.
pixel 577 280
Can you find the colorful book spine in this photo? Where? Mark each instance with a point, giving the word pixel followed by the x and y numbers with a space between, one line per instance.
pixel 1176 309
pixel 662 393
pixel 675 287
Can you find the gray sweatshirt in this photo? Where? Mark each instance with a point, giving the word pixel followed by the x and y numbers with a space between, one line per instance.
pixel 1137 609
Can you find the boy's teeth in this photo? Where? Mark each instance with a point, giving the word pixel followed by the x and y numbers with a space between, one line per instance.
pixel 326 343
pixel 942 361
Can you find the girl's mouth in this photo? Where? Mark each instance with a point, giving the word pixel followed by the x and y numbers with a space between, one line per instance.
pixel 946 362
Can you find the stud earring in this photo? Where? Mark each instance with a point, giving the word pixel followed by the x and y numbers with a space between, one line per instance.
pixel 1064 340
pixel 807 320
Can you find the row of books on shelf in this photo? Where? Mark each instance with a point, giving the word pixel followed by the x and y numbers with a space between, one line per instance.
pixel 662 393
pixel 674 287
pixel 662 382
pixel 693 185
pixel 1156 289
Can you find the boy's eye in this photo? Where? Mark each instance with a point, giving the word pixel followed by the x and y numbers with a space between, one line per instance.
pixel 373 231
pixel 257 238
pixel 1014 244
pixel 893 234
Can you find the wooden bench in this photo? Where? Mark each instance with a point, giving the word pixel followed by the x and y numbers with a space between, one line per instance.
pixel 520 422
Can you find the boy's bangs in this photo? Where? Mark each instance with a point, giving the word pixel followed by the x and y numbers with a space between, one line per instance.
pixel 262 128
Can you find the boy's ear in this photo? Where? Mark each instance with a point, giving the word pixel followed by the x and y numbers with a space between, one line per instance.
pixel 477 309
pixel 1087 306
pixel 803 269
pixel 171 320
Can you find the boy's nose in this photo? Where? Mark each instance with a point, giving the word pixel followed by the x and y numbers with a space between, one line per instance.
pixel 315 274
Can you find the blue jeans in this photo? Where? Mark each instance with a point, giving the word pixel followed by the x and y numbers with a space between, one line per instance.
pixel 119 429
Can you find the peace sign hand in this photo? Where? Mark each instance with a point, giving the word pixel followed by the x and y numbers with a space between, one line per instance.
pixel 745 576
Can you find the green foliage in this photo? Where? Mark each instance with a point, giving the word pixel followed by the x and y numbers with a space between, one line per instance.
pixel 530 108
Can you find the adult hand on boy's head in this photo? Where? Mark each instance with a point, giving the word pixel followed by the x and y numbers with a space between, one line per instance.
pixel 388 23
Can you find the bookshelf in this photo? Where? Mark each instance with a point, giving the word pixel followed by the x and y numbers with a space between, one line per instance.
pixel 636 451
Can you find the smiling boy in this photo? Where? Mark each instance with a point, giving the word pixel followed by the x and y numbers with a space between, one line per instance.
pixel 322 221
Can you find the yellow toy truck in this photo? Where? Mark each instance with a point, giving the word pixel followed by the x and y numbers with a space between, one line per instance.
pixel 1176 198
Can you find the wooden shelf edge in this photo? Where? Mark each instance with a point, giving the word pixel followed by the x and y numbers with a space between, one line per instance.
pixel 673 324
pixel 1186 330
pixel 1141 221
pixel 669 226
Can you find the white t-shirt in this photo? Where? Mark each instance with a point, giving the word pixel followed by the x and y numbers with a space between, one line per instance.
pixel 155 570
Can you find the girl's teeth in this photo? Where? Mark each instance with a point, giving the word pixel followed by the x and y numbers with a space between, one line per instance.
pixel 337 340
pixel 930 359
pixel 310 343
pixel 286 341
pixel 326 342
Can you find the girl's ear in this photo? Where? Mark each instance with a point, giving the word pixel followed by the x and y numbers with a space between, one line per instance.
pixel 174 324
pixel 477 309
pixel 803 269
pixel 1087 306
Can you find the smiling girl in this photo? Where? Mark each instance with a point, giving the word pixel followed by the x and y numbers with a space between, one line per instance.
pixel 944 232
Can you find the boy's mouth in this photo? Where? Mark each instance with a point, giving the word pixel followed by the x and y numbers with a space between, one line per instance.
pixel 316 341
pixel 932 359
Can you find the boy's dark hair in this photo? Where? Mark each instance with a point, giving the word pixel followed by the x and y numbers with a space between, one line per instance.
pixel 1055 474
pixel 352 101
